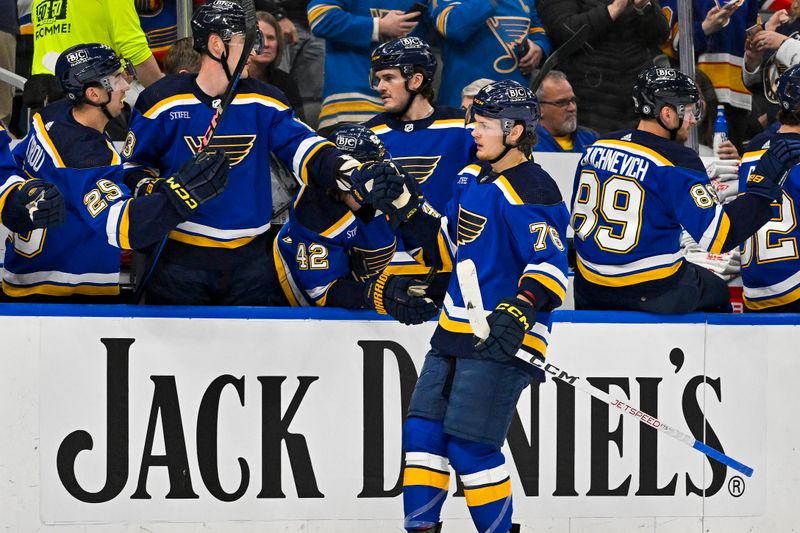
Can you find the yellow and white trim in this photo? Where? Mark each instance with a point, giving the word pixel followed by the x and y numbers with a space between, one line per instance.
pixel 640 271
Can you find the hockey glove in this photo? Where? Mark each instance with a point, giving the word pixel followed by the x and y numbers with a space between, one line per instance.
pixel 199 179
pixel 398 196
pixel 508 323
pixel 35 204
pixel 367 176
pixel 769 175
pixel 401 297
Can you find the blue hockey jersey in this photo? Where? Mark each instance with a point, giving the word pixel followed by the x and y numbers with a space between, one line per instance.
pixel 633 193
pixel 479 41
pixel 433 150
pixel 170 118
pixel 348 29
pixel 770 258
pixel 518 216
pixel 324 244
pixel 80 256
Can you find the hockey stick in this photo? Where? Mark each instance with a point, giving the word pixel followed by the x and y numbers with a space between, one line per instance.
pixel 569 46
pixel 251 27
pixel 471 292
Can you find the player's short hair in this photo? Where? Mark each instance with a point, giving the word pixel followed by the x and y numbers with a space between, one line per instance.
pixel 182 57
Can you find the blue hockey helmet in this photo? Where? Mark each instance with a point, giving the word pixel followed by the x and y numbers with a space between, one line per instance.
pixel 406 54
pixel 360 142
pixel 223 17
pixel 83 65
pixel 656 87
pixel 789 89
pixel 510 102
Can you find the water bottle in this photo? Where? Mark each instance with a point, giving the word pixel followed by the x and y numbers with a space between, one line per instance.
pixel 720 129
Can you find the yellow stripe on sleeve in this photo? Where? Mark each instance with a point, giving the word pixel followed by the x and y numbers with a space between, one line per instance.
pixel 722 234
pixel 551 284
pixel 124 227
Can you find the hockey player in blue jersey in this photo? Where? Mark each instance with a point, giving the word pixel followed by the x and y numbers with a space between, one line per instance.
pixel 770 258
pixel 635 190
pixel 333 251
pixel 66 146
pixel 25 205
pixel 218 256
pixel 430 142
pixel 508 217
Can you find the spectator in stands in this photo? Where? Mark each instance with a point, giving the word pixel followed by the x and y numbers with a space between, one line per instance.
pixel 304 53
pixel 182 58
pixel 8 50
pixel 159 20
pixel 468 93
pixel 769 52
pixel 351 31
pixel 558 129
pixel 111 22
pixel 720 49
pixel 488 40
pixel 621 34
pixel 264 66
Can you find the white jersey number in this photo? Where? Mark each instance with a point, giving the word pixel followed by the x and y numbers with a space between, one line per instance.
pixel 619 202
pixel 767 242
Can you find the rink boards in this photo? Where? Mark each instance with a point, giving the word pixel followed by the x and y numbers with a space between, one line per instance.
pixel 215 415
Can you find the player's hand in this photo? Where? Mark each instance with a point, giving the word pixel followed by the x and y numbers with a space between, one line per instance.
pixel 398 196
pixel 365 176
pixel 508 323
pixel 43 203
pixel 401 297
pixel 772 169
pixel 199 179
pixel 397 24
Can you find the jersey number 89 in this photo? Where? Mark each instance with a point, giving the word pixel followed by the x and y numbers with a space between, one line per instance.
pixel 612 212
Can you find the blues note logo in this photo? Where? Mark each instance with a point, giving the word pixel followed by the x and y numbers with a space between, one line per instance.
pixel 509 31
pixel 236 146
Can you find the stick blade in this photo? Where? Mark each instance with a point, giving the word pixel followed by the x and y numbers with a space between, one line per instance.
pixel 473 301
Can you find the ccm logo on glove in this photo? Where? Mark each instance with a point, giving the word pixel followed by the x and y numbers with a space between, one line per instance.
pixel 182 193
pixel 516 312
